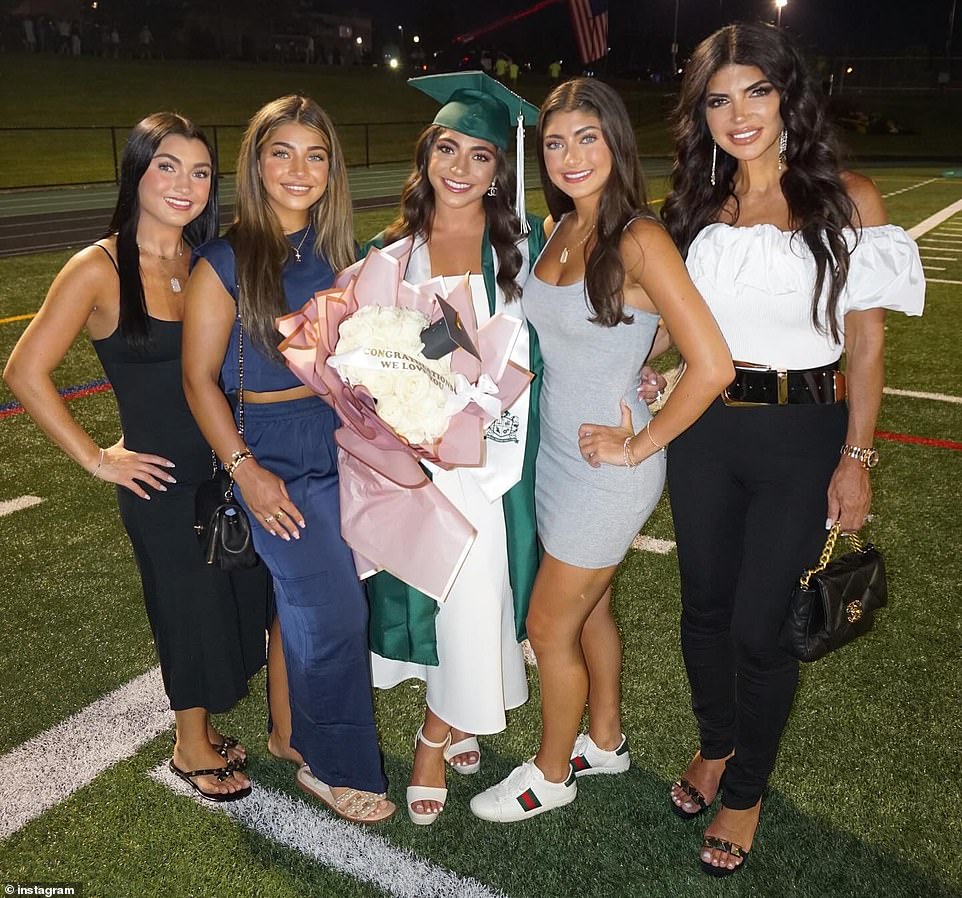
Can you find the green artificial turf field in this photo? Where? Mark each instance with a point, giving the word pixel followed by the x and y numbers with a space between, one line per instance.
pixel 863 801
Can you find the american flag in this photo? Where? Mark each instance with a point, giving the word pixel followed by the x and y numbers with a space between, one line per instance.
pixel 590 19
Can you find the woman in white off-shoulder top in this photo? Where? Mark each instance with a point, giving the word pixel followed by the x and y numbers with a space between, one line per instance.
pixel 798 264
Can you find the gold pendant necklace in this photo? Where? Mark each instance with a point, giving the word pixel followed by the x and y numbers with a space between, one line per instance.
pixel 580 243
pixel 174 280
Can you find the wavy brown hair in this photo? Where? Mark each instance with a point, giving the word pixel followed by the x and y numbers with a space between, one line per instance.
pixel 416 214
pixel 622 199
pixel 819 206
pixel 260 247
pixel 138 152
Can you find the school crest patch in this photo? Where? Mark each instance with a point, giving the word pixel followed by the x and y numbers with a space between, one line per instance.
pixel 504 429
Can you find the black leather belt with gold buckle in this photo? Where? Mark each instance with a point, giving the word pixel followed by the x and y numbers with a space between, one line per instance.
pixel 756 385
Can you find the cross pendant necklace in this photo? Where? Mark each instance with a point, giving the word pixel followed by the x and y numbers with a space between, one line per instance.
pixel 297 249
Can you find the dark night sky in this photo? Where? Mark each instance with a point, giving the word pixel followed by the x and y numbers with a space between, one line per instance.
pixel 640 30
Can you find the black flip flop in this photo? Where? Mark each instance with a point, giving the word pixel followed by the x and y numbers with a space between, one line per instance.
pixel 221 773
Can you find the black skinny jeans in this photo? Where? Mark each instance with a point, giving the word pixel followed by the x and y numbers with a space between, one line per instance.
pixel 748 495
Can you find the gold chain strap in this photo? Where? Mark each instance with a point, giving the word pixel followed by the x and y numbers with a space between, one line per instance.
pixel 827 551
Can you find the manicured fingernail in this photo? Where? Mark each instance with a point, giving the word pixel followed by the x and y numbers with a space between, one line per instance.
pixel 285 537
pixel 146 496
pixel 171 479
pixel 302 523
pixel 272 532
pixel 297 535
pixel 828 523
pixel 162 488
pixel 170 464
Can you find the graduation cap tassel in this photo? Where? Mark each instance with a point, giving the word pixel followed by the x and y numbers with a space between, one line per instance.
pixel 519 194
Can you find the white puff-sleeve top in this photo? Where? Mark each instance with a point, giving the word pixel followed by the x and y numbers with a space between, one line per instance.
pixel 758 282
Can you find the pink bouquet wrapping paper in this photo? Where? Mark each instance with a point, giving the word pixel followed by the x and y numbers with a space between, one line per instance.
pixel 392 515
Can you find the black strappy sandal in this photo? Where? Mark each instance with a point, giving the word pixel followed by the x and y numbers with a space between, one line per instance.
pixel 226 744
pixel 692 795
pixel 220 773
pixel 713 843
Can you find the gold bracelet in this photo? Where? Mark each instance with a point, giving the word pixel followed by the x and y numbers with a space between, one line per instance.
pixel 237 458
pixel 650 437
pixel 629 458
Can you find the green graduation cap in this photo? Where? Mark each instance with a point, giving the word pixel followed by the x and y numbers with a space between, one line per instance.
pixel 475 104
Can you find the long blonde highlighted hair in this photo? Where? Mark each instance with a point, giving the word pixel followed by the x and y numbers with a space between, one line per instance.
pixel 260 247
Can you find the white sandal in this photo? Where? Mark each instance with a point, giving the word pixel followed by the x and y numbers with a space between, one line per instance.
pixel 427 793
pixel 466 745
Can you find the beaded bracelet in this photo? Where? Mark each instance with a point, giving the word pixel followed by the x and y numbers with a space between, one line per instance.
pixel 629 458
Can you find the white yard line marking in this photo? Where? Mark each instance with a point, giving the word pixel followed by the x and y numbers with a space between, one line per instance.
pixel 345 847
pixel 9 506
pixel 939 241
pixel 911 187
pixel 43 771
pixel 940 281
pixel 650 544
pixel 939 258
pixel 932 268
pixel 914 394
pixel 933 221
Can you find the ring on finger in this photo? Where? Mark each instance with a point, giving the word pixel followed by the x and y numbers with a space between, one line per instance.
pixel 279 514
pixel 269 518
pixel 658 396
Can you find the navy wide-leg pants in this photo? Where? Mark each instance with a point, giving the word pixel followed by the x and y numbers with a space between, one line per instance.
pixel 322 607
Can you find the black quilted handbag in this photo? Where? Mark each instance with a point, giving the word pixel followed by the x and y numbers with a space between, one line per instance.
pixel 835 602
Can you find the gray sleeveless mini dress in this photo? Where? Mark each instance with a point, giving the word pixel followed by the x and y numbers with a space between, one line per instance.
pixel 587 516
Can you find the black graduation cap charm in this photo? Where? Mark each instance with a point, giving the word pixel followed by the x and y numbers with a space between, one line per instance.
pixel 446 334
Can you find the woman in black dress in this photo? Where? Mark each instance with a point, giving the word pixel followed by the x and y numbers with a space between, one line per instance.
pixel 126 290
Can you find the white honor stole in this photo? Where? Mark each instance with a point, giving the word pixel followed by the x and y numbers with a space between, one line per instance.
pixel 506 437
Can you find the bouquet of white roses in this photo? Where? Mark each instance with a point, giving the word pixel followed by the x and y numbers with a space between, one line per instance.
pixel 360 347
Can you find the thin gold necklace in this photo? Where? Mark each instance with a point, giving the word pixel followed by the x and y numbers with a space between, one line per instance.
pixel 580 243
pixel 174 280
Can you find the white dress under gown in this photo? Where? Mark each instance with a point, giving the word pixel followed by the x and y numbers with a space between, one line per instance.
pixel 481 671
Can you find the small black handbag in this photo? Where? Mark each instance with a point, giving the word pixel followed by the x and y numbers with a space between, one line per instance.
pixel 835 602
pixel 220 523
pixel 222 526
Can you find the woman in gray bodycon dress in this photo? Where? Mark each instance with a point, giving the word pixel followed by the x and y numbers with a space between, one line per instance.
pixel 606 276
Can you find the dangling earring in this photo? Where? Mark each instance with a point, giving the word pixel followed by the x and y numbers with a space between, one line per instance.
pixel 714 158
pixel 493 189
pixel 782 148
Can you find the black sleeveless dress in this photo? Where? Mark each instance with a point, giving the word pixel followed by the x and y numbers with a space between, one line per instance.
pixel 208 626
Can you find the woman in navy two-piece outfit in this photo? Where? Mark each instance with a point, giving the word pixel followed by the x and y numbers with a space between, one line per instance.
pixel 292 230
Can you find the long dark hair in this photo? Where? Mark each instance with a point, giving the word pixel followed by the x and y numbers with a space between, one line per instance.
pixel 819 207
pixel 260 247
pixel 138 152
pixel 622 199
pixel 416 214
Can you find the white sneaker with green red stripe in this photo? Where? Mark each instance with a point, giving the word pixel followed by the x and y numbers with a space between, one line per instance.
pixel 587 759
pixel 522 794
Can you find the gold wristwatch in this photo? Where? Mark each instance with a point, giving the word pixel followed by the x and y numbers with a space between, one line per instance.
pixel 867 458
